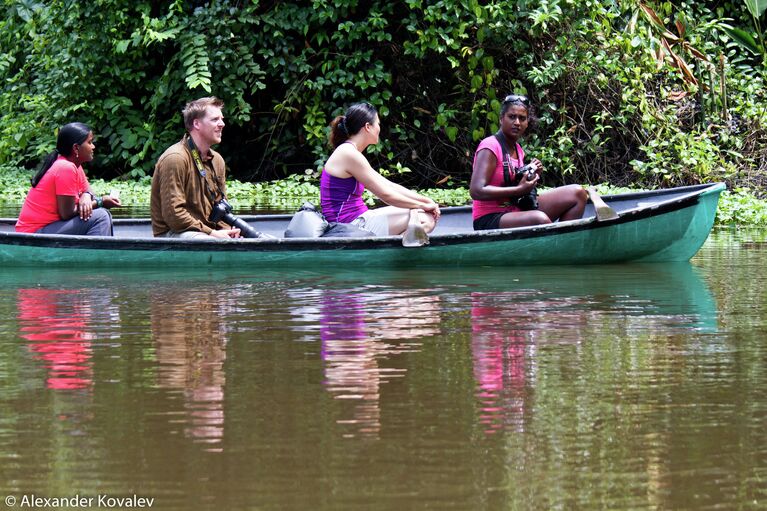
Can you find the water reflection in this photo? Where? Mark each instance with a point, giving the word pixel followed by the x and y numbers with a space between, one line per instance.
pixel 544 307
pixel 356 327
pixel 189 332
pixel 597 387
pixel 500 351
pixel 56 322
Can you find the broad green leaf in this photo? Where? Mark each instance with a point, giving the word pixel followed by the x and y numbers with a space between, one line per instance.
pixel 756 7
pixel 743 38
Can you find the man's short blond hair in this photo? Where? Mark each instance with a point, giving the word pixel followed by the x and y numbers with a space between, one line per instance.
pixel 196 109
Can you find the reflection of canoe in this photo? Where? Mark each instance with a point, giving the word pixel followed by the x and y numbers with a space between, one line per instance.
pixel 662 225
pixel 632 289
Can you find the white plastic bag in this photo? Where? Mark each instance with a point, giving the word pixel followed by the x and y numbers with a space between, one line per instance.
pixel 306 223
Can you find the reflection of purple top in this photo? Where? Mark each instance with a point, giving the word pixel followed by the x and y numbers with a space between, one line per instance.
pixel 341 198
pixel 342 319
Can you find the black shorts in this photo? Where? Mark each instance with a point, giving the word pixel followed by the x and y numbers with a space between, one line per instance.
pixel 489 221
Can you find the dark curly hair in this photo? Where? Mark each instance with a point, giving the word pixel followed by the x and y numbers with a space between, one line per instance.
pixel 519 100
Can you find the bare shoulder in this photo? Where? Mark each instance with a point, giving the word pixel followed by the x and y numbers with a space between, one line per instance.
pixel 345 161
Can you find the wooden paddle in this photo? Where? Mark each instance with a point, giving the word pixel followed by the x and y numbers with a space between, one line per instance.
pixel 415 235
pixel 604 212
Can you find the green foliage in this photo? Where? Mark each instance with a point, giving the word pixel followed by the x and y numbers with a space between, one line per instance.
pixel 741 207
pixel 612 102
pixel 752 41
pixel 14 184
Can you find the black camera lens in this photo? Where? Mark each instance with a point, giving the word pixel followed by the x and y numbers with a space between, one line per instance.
pixel 222 211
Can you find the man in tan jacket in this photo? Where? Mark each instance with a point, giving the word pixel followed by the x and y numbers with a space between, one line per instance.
pixel 190 177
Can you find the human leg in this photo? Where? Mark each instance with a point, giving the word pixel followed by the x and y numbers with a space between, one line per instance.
pixel 523 219
pixel 564 203
pixel 99 224
pixel 396 219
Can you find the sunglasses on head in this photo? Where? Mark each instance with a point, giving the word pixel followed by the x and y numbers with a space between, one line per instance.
pixel 517 98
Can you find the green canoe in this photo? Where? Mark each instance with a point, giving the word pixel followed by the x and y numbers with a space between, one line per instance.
pixel 657 226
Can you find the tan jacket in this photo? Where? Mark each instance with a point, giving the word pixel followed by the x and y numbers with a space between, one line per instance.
pixel 180 202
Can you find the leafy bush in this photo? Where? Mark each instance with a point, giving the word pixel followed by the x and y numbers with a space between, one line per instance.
pixel 614 105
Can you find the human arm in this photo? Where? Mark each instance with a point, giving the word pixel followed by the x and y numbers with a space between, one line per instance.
pixel 428 204
pixel 389 192
pixel 484 167
pixel 67 206
pixel 88 203
pixel 69 181
pixel 110 202
pixel 220 170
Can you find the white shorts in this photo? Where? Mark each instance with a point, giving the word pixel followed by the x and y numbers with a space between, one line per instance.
pixel 378 223
pixel 187 235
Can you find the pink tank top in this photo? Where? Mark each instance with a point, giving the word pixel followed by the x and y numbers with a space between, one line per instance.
pixel 481 208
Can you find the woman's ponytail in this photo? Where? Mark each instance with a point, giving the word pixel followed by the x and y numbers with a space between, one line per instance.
pixel 338 131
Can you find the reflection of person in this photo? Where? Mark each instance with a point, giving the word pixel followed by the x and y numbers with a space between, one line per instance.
pixel 351 359
pixel 60 200
pixel 55 322
pixel 498 351
pixel 191 355
pixel 190 177
pixel 353 328
pixel 347 174
pixel 494 200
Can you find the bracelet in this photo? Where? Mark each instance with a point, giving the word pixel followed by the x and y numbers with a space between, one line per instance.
pixel 99 202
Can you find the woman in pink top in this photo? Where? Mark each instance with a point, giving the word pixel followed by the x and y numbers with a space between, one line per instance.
pixel 60 200
pixel 496 200
pixel 347 174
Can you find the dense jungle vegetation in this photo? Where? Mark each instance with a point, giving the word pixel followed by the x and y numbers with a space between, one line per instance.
pixel 641 94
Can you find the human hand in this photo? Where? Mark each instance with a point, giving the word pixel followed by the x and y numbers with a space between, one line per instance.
pixel 538 165
pixel 109 201
pixel 433 210
pixel 85 206
pixel 225 233
pixel 526 185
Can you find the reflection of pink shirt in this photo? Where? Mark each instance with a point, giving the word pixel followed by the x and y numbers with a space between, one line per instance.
pixel 481 208
pixel 40 207
pixel 54 323
pixel 498 350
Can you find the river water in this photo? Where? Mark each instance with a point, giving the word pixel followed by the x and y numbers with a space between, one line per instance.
pixel 605 387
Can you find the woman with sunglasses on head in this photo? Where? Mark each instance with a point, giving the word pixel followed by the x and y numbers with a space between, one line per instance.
pixel 347 174
pixel 60 200
pixel 497 197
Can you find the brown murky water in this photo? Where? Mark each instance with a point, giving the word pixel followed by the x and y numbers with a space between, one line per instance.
pixel 608 387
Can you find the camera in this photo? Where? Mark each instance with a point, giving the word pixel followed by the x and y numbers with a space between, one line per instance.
pixel 222 210
pixel 527 171
pixel 530 200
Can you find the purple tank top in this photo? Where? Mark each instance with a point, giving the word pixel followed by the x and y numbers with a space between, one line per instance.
pixel 341 198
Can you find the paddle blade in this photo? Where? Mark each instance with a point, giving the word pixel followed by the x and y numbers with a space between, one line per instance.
pixel 604 212
pixel 415 235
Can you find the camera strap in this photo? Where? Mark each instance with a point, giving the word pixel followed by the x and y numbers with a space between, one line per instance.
pixel 507 165
pixel 197 158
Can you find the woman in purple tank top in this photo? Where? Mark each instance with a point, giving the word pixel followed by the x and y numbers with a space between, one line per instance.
pixel 347 174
